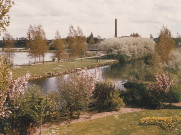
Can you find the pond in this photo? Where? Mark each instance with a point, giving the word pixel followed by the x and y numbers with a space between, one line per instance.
pixel 21 58
pixel 118 73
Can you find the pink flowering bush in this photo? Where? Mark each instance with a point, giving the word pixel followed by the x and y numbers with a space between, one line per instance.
pixel 151 95
pixel 158 90
pixel 10 90
pixel 76 91
pixel 163 83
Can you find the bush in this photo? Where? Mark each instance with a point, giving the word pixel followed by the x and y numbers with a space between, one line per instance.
pixel 175 59
pixel 156 99
pixel 10 94
pixel 76 92
pixel 146 74
pixel 148 60
pixel 105 98
pixel 174 95
pixel 134 48
pixel 121 58
pixel 135 94
pixel 35 107
pixel 158 90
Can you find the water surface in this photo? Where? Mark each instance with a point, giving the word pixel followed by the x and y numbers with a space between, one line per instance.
pixel 118 73
pixel 22 58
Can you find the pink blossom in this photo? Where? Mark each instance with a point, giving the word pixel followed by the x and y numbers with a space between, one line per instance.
pixel 163 83
pixel 10 90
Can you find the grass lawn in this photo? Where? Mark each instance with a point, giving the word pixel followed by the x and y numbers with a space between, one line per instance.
pixel 122 124
pixel 42 69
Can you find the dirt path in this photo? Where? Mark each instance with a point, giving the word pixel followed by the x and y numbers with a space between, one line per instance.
pixel 177 104
pixel 87 117
pixel 174 104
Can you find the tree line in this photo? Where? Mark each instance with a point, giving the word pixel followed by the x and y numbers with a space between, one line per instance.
pixel 75 44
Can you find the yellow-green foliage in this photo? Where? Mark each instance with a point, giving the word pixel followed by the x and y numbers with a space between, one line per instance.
pixel 5 6
pixel 167 123
pixel 165 44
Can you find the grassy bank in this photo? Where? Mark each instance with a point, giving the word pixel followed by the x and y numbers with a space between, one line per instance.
pixel 52 68
pixel 122 124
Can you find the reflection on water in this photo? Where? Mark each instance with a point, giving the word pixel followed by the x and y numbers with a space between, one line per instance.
pixel 122 71
pixel 118 73
pixel 21 58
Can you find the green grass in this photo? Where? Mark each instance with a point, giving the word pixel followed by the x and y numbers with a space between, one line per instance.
pixel 123 124
pixel 42 69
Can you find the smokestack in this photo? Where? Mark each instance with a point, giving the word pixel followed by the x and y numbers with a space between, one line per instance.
pixel 115 27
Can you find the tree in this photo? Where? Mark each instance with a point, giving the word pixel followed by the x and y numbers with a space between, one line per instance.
pixel 178 41
pixel 5 6
pixel 8 46
pixel 135 35
pixel 10 90
pixel 151 36
pixel 76 42
pixel 128 47
pixel 58 44
pixel 165 44
pixel 90 39
pixel 81 42
pixel 72 41
pixel 37 42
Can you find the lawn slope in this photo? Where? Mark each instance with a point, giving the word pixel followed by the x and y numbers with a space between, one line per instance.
pixel 122 124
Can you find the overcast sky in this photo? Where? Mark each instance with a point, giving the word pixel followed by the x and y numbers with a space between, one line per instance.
pixel 143 16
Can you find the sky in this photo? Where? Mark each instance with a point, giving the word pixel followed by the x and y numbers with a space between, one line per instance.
pixel 97 16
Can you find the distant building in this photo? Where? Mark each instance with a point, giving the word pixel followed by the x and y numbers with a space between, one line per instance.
pixel 124 36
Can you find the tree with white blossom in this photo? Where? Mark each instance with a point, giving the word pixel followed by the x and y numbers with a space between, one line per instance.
pixel 131 47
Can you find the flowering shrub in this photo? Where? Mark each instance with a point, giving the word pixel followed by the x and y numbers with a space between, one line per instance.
pixel 10 90
pixel 152 95
pixel 76 91
pixel 167 123
pixel 163 83
pixel 131 47
pixel 175 59
pixel 158 90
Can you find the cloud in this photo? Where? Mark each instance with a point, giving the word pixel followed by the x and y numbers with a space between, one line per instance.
pixel 97 16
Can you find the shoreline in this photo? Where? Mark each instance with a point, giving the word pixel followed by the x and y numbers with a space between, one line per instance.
pixel 45 70
pixel 49 74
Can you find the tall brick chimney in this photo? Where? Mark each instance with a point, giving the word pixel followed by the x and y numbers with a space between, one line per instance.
pixel 115 27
